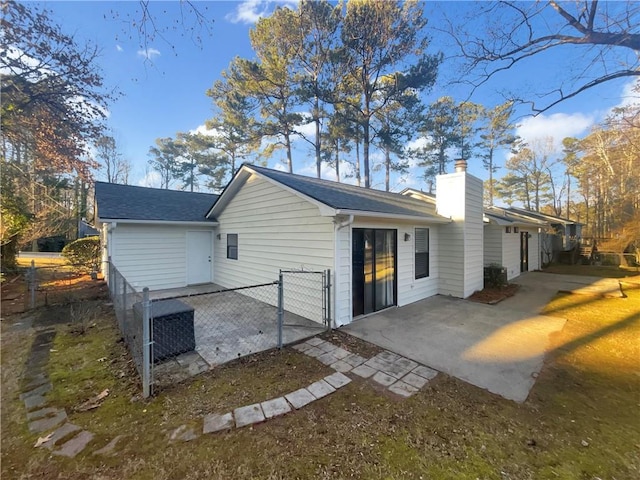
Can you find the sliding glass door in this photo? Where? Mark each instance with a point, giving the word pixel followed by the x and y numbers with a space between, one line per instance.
pixel 374 269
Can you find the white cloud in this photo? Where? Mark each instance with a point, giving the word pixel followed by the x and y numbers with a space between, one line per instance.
pixel 203 130
pixel 250 11
pixel 308 130
pixel 281 167
pixel 150 179
pixel 149 53
pixel 629 96
pixel 558 126
pixel 119 48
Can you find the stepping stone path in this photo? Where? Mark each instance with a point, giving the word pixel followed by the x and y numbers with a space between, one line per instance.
pixel 58 435
pixel 398 374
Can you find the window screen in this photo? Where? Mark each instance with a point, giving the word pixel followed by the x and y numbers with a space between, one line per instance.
pixel 422 252
pixel 232 246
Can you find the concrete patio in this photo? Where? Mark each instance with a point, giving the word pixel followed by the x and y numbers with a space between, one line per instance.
pixel 232 324
pixel 500 348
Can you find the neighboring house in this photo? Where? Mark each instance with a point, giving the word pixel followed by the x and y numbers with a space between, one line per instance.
pixel 512 241
pixel 384 249
pixel 570 231
pixel 156 238
pixel 86 230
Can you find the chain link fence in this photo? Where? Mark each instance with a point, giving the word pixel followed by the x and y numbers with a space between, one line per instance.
pixel 173 335
pixel 48 284
pixel 132 311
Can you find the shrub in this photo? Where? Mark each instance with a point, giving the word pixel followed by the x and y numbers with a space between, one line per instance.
pixel 495 276
pixel 83 254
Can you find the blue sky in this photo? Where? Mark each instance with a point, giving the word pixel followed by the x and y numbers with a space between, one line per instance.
pixel 164 87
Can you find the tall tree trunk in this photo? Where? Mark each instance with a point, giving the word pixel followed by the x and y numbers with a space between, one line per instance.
pixel 318 139
pixel 365 155
pixel 287 141
pixel 491 177
pixel 387 168
pixel 338 160
pixel 358 161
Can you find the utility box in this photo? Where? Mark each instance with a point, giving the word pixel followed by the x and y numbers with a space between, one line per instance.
pixel 172 331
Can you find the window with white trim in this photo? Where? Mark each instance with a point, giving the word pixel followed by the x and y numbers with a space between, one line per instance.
pixel 232 246
pixel 422 252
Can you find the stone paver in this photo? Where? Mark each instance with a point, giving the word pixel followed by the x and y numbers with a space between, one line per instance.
pixel 275 408
pixel 74 446
pixel 327 358
pixel 425 372
pixel 314 352
pixel 34 401
pixel 43 412
pixel 327 346
pixel 109 447
pixel 248 415
pixel 53 438
pixel 41 390
pixel 215 423
pixel 299 398
pixel 383 379
pixel 414 380
pixel 364 371
pixel 314 341
pixel 36 380
pixel 342 367
pixel 354 360
pixel 183 433
pixel 337 380
pixel 302 347
pixel 340 353
pixel 403 389
pixel 320 389
pixel 47 423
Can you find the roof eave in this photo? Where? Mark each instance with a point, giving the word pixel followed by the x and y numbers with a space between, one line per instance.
pixel 208 223
pixel 394 216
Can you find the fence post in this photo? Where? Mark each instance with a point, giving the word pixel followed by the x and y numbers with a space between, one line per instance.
pixel 280 308
pixel 109 276
pixel 328 287
pixel 32 285
pixel 146 343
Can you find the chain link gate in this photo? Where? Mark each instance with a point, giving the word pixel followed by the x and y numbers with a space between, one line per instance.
pixel 306 302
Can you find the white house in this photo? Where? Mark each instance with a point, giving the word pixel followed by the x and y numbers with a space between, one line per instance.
pixel 512 241
pixel 156 238
pixel 384 249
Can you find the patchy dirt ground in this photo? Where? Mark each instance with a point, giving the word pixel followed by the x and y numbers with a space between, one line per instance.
pixel 580 421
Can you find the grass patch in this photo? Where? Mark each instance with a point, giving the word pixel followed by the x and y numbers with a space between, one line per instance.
pixel 580 421
pixel 593 270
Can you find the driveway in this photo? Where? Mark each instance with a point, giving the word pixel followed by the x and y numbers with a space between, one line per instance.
pixel 497 347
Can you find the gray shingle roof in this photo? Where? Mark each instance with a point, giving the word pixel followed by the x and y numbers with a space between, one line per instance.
pixel 126 202
pixel 349 197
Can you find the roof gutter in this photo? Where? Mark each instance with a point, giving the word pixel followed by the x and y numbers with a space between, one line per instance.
pixel 394 216
pixel 158 222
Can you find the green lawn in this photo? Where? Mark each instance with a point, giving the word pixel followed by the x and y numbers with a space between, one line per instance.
pixel 580 422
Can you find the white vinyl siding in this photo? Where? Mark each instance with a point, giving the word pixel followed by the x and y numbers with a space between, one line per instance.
pixel 409 288
pixel 493 245
pixel 343 281
pixel 153 256
pixel 504 248
pixel 276 230
pixel 459 196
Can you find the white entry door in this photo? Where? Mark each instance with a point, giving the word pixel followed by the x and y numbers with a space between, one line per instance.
pixel 199 257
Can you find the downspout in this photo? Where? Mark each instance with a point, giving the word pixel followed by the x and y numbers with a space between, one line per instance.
pixel 336 291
